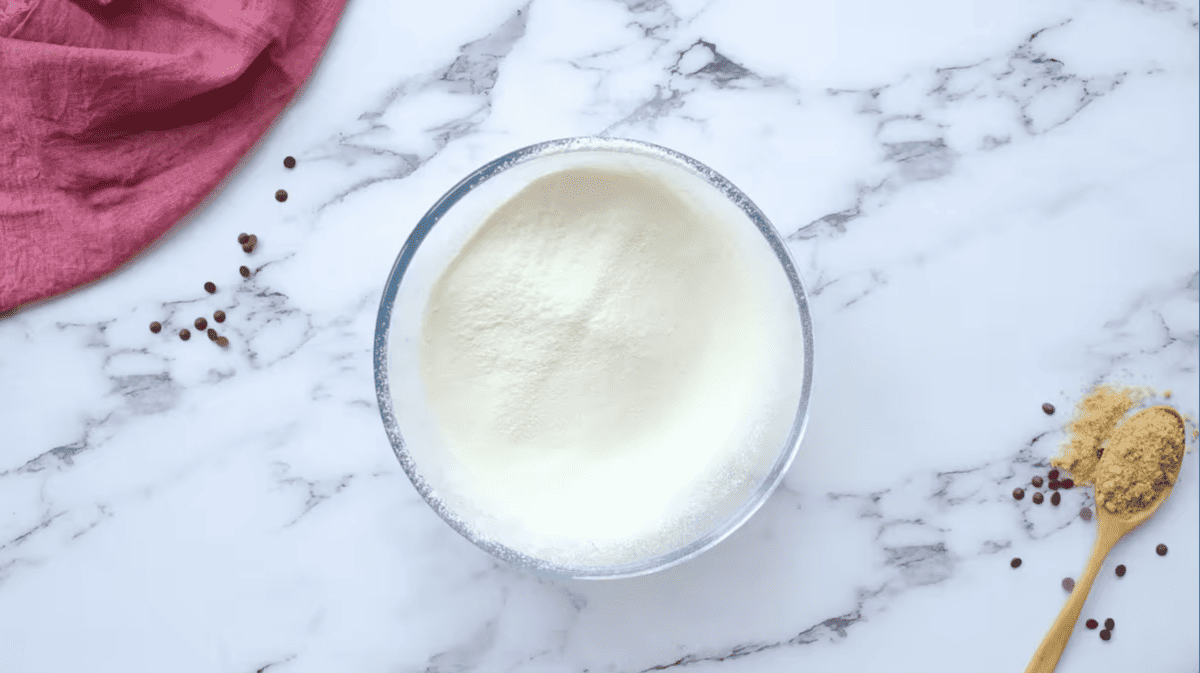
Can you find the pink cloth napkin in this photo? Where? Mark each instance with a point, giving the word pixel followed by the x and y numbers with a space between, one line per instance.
pixel 118 117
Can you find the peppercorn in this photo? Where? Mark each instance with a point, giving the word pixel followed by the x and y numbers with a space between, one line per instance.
pixel 156 327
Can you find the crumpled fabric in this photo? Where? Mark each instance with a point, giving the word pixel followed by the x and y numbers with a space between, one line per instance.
pixel 119 117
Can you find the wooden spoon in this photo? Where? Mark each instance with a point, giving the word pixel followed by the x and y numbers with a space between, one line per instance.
pixel 1110 528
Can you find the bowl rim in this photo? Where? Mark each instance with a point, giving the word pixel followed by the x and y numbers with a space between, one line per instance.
pixel 383 325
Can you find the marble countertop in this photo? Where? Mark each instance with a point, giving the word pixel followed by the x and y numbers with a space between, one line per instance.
pixel 993 204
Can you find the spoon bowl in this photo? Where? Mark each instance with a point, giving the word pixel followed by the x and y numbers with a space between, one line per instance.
pixel 1110 528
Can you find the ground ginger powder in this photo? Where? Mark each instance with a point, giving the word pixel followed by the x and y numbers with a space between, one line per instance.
pixel 1140 455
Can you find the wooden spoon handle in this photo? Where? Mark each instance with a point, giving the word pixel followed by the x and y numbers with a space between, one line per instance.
pixel 1047 655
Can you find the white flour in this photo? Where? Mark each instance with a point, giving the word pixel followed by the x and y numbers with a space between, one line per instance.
pixel 596 360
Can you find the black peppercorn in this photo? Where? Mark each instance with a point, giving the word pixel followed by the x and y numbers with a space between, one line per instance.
pixel 1105 634
pixel 184 334
pixel 245 271
pixel 1038 498
pixel 289 162
pixel 212 334
pixel 155 327
pixel 219 316
pixel 1048 408
pixel 1085 514
pixel 1018 493
pixel 1091 624
pixel 201 323
pixel 1161 549
pixel 1016 563
pixel 209 287
pixel 281 196
pixel 242 238
pixel 1068 584
pixel 1109 624
pixel 1120 571
pixel 222 341
pixel 1037 482
pixel 1056 498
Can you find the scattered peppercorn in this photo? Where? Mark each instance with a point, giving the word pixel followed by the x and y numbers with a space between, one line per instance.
pixel 209 287
pixel 250 244
pixel 219 316
pixel 1016 563
pixel 1085 514
pixel 1067 483
pixel 1038 498
pixel 1054 484
pixel 1048 408
pixel 242 238
pixel 212 334
pixel 1068 584
pixel 184 334
pixel 1018 493
pixel 222 341
pixel 1161 549
pixel 1105 634
pixel 281 196
pixel 245 271
pixel 1056 498
pixel 1091 624
pixel 1109 624
pixel 201 323
pixel 1120 571
pixel 155 327
pixel 1053 475
pixel 289 162
pixel 1099 454
pixel 1037 482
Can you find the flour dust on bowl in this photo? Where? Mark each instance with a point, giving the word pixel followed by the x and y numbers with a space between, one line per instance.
pixel 593 358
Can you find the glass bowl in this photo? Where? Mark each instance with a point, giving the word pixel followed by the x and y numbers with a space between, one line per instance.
pixel 437 239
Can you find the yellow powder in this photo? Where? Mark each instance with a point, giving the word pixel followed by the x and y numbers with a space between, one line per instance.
pixel 1141 460
pixel 1129 462
pixel 1096 416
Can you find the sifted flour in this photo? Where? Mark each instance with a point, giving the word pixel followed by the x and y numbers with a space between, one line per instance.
pixel 596 360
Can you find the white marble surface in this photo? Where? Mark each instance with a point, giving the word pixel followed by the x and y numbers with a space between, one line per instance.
pixel 994 204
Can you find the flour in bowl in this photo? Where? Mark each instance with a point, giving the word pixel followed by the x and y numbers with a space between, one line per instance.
pixel 599 359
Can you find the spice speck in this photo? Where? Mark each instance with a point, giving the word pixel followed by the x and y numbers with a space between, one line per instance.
pixel 1048 408
pixel 156 327
pixel 1056 498
pixel 1016 563
pixel 1018 493
pixel 1161 549
pixel 219 316
pixel 184 334
pixel 289 162
pixel 1068 584
pixel 210 287
pixel 1038 498
pixel 281 195
pixel 1120 571
pixel 245 271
